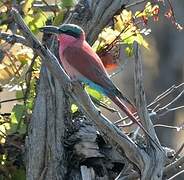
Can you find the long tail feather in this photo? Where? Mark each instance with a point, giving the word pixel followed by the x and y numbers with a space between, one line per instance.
pixel 128 103
pixel 130 106
pixel 119 103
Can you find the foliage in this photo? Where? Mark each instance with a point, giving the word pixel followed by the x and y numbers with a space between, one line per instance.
pixel 19 66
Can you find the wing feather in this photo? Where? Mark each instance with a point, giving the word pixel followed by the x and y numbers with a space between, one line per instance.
pixel 87 63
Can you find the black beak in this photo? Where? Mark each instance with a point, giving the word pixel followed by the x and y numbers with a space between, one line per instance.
pixel 50 29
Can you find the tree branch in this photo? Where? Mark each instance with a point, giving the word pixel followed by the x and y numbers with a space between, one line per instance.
pixel 140 94
pixel 174 167
pixel 12 38
pixel 180 173
pixel 156 102
pixel 155 154
pixel 9 100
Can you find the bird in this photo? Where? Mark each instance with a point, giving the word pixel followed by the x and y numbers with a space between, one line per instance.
pixel 81 63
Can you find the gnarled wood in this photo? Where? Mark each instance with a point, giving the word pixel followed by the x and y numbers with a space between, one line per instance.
pixel 154 163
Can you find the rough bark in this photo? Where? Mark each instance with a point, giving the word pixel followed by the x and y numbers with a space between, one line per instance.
pixel 45 151
pixel 152 170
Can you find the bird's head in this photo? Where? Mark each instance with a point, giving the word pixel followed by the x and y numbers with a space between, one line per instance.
pixel 67 29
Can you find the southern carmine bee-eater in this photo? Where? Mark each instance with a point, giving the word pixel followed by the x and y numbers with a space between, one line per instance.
pixel 83 64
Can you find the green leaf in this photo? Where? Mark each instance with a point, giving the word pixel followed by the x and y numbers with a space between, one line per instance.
pixel 36 20
pixel 22 129
pixel 30 103
pixel 59 18
pixel 139 38
pixel 129 51
pixel 19 94
pixel 17 115
pixel 129 40
pixel 67 4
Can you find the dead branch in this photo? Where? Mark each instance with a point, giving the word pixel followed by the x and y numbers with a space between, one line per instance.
pixel 174 167
pixel 178 175
pixel 13 38
pixel 154 111
pixel 155 154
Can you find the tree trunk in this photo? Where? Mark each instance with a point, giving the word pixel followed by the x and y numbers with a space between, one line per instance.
pixel 45 143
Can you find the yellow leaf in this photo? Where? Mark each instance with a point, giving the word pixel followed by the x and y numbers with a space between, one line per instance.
pixel 108 35
pixel 3 129
pixel 3 9
pixel 126 16
pixel 118 25
pixel 148 6
pixel 20 56
pixel 74 108
pixel 122 20
pixel 148 9
pixel 24 55
pixel 139 14
pixel 27 7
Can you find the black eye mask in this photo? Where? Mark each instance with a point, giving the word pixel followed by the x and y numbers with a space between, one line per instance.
pixel 71 33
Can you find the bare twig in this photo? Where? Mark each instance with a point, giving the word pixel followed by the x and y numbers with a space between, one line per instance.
pixel 125 125
pixel 167 110
pixel 131 176
pixel 159 98
pixel 9 100
pixel 99 103
pixel 167 126
pixel 171 102
pixel 28 78
pixel 49 7
pixel 172 10
pixel 120 69
pixel 12 38
pixel 156 153
pixel 165 94
pixel 174 167
pixel 181 174
pixel 178 152
pixel 135 3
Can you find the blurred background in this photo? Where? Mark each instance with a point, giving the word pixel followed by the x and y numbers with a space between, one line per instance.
pixel 163 67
